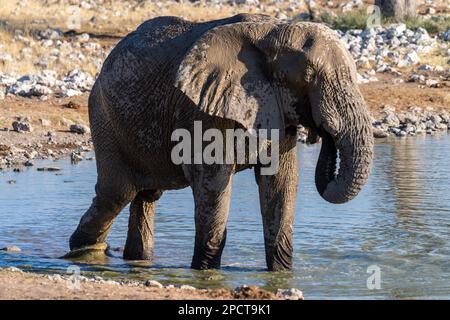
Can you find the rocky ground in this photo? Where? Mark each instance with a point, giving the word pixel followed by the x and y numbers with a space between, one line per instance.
pixel 16 284
pixel 32 129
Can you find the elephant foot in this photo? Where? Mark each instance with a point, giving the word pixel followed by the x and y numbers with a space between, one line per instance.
pixel 280 263
pixel 204 265
pixel 137 253
pixel 207 260
pixel 279 267
pixel 81 239
pixel 95 253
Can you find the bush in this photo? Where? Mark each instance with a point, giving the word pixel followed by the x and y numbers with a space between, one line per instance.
pixel 357 19
pixel 432 25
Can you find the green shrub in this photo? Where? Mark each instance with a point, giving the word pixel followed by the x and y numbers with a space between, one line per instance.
pixel 357 19
pixel 433 25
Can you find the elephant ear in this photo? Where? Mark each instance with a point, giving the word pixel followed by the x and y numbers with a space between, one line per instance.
pixel 226 76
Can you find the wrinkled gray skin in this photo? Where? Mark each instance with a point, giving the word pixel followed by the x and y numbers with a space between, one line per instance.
pixel 247 71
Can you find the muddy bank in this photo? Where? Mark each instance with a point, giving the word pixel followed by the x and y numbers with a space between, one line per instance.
pixel 18 285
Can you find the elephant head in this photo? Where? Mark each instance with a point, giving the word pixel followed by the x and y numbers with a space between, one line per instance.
pixel 269 75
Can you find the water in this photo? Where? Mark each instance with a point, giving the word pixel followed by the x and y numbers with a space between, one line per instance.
pixel 399 223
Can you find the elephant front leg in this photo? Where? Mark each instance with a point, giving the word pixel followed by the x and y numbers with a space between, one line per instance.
pixel 139 244
pixel 277 194
pixel 211 185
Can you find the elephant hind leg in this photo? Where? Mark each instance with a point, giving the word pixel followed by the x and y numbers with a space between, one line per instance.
pixel 139 244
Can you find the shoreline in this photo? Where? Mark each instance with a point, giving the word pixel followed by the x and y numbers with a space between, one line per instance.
pixel 27 139
pixel 19 285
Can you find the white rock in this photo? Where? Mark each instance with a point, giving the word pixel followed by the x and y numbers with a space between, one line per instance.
pixel 79 128
pixel 290 294
pixel 47 43
pixel 45 122
pixel 391 120
pixel 411 58
pixel 55 277
pixel 84 37
pixel 187 287
pixel 71 93
pixel 401 133
pixel 396 30
pixel 50 34
pixel 361 79
pixel 85 5
pixel 154 284
pixel 281 16
pixel 347 7
pixel 77 79
pixel 5 57
pixel 66 122
pixel 416 77
pixel 11 249
pixel 432 83
pixel 13 269
pixel 7 80
pixel 40 90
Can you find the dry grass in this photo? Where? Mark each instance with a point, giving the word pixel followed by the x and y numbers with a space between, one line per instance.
pixel 14 48
pixel 437 57
pixel 25 56
pixel 115 16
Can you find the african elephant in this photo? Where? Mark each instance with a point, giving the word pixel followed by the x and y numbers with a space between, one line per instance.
pixel 246 71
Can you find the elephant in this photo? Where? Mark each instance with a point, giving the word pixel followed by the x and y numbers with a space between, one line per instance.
pixel 247 71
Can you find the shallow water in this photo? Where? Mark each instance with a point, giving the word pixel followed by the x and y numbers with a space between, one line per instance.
pixel 399 223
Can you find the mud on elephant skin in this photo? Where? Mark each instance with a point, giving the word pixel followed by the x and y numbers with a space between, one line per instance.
pixel 247 71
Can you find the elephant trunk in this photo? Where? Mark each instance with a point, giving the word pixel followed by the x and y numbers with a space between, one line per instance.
pixel 355 149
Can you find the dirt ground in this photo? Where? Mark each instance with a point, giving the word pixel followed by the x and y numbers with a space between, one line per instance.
pixel 404 95
pixel 15 285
